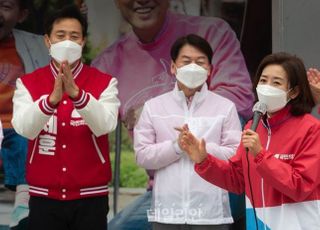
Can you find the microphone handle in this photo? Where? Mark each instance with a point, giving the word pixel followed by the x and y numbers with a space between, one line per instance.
pixel 255 120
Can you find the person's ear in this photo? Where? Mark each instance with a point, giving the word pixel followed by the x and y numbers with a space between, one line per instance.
pixel 173 68
pixel 210 69
pixel 294 92
pixel 47 41
pixel 24 13
pixel 83 43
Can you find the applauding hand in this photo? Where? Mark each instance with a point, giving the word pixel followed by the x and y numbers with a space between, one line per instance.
pixel 314 82
pixel 196 149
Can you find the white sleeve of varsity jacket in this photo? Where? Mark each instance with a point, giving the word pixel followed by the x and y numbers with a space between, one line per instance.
pixel 100 115
pixel 28 120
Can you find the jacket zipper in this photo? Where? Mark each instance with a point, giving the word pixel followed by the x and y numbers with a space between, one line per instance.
pixel 98 150
pixel 262 181
pixel 184 168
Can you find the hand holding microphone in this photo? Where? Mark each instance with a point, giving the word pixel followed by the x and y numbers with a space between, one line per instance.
pixel 250 139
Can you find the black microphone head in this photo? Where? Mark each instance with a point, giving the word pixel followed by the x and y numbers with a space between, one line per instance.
pixel 260 108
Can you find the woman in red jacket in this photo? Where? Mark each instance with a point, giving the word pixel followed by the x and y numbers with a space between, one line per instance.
pixel 278 164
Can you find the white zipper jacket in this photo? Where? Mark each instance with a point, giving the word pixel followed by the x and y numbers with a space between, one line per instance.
pixel 180 195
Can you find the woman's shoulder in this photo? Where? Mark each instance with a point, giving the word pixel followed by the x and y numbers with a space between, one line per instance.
pixel 308 121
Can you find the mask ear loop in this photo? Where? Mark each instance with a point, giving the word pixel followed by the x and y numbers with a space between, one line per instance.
pixel 289 98
pixel 49 47
pixel 176 72
pixel 209 77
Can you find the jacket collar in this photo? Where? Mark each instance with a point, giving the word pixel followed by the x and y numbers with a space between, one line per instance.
pixel 279 117
pixel 198 97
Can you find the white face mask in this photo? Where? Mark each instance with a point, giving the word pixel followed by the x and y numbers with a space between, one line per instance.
pixel 192 75
pixel 66 51
pixel 274 98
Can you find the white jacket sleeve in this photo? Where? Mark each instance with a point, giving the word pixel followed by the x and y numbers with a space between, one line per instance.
pixel 101 115
pixel 230 137
pixel 149 153
pixel 28 119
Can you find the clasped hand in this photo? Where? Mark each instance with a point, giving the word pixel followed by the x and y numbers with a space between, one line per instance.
pixel 64 83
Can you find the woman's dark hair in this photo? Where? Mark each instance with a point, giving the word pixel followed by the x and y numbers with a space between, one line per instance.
pixel 297 77
pixel 69 11
pixel 193 40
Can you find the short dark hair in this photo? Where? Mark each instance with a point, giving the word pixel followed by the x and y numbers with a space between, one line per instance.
pixel 297 76
pixel 193 40
pixel 69 11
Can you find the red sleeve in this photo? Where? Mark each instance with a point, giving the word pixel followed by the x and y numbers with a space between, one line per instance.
pixel 225 174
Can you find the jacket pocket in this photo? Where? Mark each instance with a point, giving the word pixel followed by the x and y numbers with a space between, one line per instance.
pixel 98 149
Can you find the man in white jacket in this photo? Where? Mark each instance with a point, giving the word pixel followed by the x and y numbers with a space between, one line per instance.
pixel 180 196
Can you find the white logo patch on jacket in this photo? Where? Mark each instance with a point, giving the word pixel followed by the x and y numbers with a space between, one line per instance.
pixel 283 156
pixel 47 142
pixel 76 119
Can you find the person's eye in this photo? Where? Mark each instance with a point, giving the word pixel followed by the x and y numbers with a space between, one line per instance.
pixel 6 7
pixel 262 81
pixel 60 36
pixel 74 38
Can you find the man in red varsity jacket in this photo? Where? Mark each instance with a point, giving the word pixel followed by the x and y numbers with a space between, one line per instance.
pixel 66 110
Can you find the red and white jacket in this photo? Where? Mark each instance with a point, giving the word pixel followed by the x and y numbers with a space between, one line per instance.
pixel 285 175
pixel 68 154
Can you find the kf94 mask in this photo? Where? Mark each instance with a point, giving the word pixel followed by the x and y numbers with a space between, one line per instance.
pixel 66 51
pixel 192 75
pixel 274 98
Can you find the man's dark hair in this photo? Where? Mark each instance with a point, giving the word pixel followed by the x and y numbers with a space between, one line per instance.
pixel 297 77
pixel 193 40
pixel 69 11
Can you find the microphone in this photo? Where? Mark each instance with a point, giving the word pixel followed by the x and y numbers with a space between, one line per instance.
pixel 259 109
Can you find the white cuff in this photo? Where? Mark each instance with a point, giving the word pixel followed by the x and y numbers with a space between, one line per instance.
pixel 177 148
